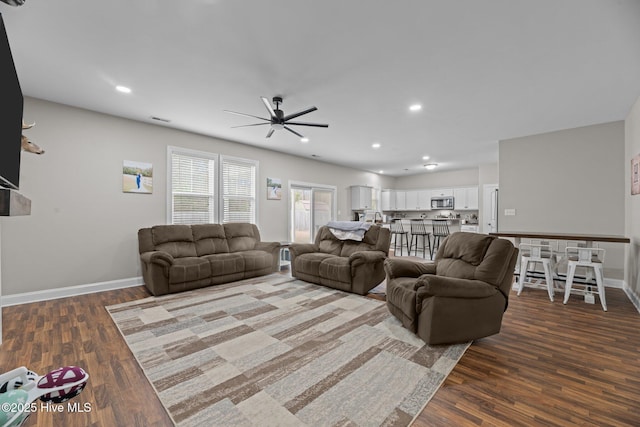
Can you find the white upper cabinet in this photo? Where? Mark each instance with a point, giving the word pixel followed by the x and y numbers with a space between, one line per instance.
pixel 361 198
pixel 424 200
pixel 412 200
pixel 418 200
pixel 442 192
pixel 388 200
pixel 401 200
pixel 466 198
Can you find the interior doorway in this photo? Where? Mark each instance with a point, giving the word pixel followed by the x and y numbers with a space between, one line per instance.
pixel 312 206
pixel 490 208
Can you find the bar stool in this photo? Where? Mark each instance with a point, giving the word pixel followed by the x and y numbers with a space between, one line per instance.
pixel 537 252
pixel 585 257
pixel 440 230
pixel 398 230
pixel 419 229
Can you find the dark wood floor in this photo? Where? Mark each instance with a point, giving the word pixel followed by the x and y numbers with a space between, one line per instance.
pixel 550 365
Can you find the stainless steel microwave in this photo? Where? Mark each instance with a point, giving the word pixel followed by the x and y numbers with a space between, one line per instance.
pixel 442 202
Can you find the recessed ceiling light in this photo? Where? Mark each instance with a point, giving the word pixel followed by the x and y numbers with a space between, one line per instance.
pixel 304 139
pixel 123 89
pixel 375 145
pixel 431 166
pixel 380 171
pixel 425 157
pixel 415 107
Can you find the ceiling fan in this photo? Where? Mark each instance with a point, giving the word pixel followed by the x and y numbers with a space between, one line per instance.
pixel 277 118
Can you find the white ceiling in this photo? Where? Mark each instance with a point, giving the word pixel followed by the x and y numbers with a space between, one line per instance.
pixel 482 70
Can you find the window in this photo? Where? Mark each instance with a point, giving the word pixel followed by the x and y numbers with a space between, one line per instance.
pixel 238 190
pixel 207 188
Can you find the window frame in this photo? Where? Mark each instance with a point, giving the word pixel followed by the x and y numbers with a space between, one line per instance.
pixel 218 186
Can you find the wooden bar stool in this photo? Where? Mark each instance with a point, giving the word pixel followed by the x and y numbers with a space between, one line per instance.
pixel 419 230
pixel 398 230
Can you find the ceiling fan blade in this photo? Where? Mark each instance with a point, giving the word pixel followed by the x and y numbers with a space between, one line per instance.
pixel 246 115
pixel 270 132
pixel 299 113
pixel 319 125
pixel 255 124
pixel 269 107
pixel 293 131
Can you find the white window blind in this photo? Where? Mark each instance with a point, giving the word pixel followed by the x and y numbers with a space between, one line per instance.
pixel 238 190
pixel 193 184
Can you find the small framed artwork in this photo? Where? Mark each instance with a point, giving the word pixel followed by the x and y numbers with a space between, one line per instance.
pixel 635 175
pixel 137 177
pixel 274 189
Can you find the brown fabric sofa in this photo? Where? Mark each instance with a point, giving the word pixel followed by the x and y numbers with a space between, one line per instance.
pixel 178 258
pixel 459 297
pixel 347 265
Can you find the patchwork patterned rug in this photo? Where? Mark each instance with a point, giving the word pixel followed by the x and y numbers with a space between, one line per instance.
pixel 275 351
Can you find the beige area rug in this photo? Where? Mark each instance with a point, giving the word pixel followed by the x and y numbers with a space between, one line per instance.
pixel 275 351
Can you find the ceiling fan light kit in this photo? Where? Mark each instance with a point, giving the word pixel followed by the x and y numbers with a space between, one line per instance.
pixel 277 119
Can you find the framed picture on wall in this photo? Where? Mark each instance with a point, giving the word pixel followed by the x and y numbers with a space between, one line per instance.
pixel 635 175
pixel 137 177
pixel 274 189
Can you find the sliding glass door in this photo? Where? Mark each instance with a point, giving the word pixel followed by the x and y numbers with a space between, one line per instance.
pixel 312 206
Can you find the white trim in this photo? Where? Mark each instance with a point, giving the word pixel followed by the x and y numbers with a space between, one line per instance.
pixel 70 291
pixel 633 297
pixel 309 186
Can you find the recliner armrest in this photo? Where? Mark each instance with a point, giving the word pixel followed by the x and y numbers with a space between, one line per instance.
pixel 272 247
pixel 297 249
pixel 157 257
pixel 395 267
pixel 451 287
pixel 366 257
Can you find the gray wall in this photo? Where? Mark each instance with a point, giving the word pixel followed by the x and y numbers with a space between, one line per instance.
pixel 83 228
pixel 632 203
pixel 438 179
pixel 569 181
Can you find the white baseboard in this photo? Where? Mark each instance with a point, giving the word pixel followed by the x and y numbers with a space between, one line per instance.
pixel 70 291
pixel 633 297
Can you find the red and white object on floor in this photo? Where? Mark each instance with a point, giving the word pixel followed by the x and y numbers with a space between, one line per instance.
pixel 23 387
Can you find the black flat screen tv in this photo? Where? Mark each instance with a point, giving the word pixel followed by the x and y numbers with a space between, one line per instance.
pixel 11 104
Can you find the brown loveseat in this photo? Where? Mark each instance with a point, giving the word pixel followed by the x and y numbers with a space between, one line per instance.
pixel 459 297
pixel 177 258
pixel 347 265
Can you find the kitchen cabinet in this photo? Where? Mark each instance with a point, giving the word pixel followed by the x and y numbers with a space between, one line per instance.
pixel 361 197
pixel 424 200
pixel 401 200
pixel 418 200
pixel 442 192
pixel 466 198
pixel 470 228
pixel 388 200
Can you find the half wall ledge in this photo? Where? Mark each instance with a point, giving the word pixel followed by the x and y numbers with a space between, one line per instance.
pixel 13 203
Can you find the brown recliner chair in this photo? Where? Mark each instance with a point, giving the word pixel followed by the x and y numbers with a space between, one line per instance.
pixel 459 297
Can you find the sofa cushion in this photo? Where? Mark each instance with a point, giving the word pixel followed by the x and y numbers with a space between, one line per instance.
pixel 188 269
pixel 327 242
pixel 336 268
pixel 225 263
pixel 241 236
pixel 177 240
pixel 350 247
pixel 256 260
pixel 310 263
pixel 209 239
